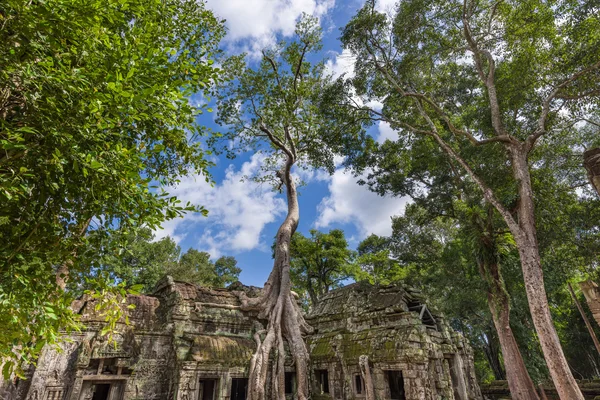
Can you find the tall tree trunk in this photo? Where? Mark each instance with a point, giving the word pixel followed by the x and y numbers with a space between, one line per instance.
pixel 526 238
pixel 365 371
pixel 519 382
pixel 278 306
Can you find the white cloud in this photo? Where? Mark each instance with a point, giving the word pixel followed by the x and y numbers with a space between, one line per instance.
pixel 386 133
pixel 343 63
pixel 386 6
pixel 239 210
pixel 258 22
pixel 351 203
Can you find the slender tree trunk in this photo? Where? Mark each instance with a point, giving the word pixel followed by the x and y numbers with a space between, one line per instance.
pixel 280 309
pixel 519 382
pixel 526 239
pixel 311 290
pixel 365 371
pixel 492 353
pixel 585 319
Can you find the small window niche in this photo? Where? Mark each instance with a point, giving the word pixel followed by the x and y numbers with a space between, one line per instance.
pixel 109 366
pixel 359 385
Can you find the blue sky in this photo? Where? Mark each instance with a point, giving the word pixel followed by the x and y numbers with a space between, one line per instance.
pixel 243 215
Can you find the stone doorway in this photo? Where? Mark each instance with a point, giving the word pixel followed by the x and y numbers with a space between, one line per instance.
pixel 239 387
pixel 102 390
pixel 207 389
pixel 395 382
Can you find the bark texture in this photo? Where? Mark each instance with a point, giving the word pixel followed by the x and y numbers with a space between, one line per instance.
pixel 519 382
pixel 525 235
pixel 365 371
pixel 278 306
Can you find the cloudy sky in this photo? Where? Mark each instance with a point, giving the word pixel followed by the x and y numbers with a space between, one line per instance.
pixel 244 216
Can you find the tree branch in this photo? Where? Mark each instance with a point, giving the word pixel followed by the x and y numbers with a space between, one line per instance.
pixel 275 140
pixel 488 193
pixel 541 129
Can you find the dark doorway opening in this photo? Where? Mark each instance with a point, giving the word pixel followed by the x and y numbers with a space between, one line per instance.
pixel 289 382
pixel 396 385
pixel 239 386
pixel 323 380
pixel 207 389
pixel 358 384
pixel 101 391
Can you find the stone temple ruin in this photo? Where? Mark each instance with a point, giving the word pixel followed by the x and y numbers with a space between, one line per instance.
pixel 188 342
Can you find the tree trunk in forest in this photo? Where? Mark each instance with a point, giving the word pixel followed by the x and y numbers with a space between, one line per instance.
pixel 492 353
pixel 519 382
pixel 591 161
pixel 542 392
pixel 365 371
pixel 278 306
pixel 526 239
pixel 585 319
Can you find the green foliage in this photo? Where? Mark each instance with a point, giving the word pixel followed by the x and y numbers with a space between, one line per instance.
pixel 94 117
pixel 320 263
pixel 276 104
pixel 111 302
pixel 142 260
pixel 376 262
pixel 467 85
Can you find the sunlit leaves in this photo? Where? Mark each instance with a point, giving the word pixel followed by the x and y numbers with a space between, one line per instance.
pixel 94 117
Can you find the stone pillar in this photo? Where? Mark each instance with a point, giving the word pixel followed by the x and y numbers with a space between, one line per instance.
pixel 592 296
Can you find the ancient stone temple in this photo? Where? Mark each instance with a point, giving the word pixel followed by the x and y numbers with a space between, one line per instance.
pixel 187 342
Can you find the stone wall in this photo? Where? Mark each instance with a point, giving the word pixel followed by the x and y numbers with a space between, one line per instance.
pixel 387 324
pixel 188 342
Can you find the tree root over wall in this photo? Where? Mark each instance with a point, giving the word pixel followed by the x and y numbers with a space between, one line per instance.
pixel 279 307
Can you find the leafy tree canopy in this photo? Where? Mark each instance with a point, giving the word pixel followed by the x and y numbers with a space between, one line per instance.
pixel 320 263
pixel 94 111
pixel 142 260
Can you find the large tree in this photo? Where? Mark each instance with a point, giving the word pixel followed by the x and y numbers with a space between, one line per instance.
pixel 272 109
pixel 473 79
pixel 94 116
pixel 320 263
